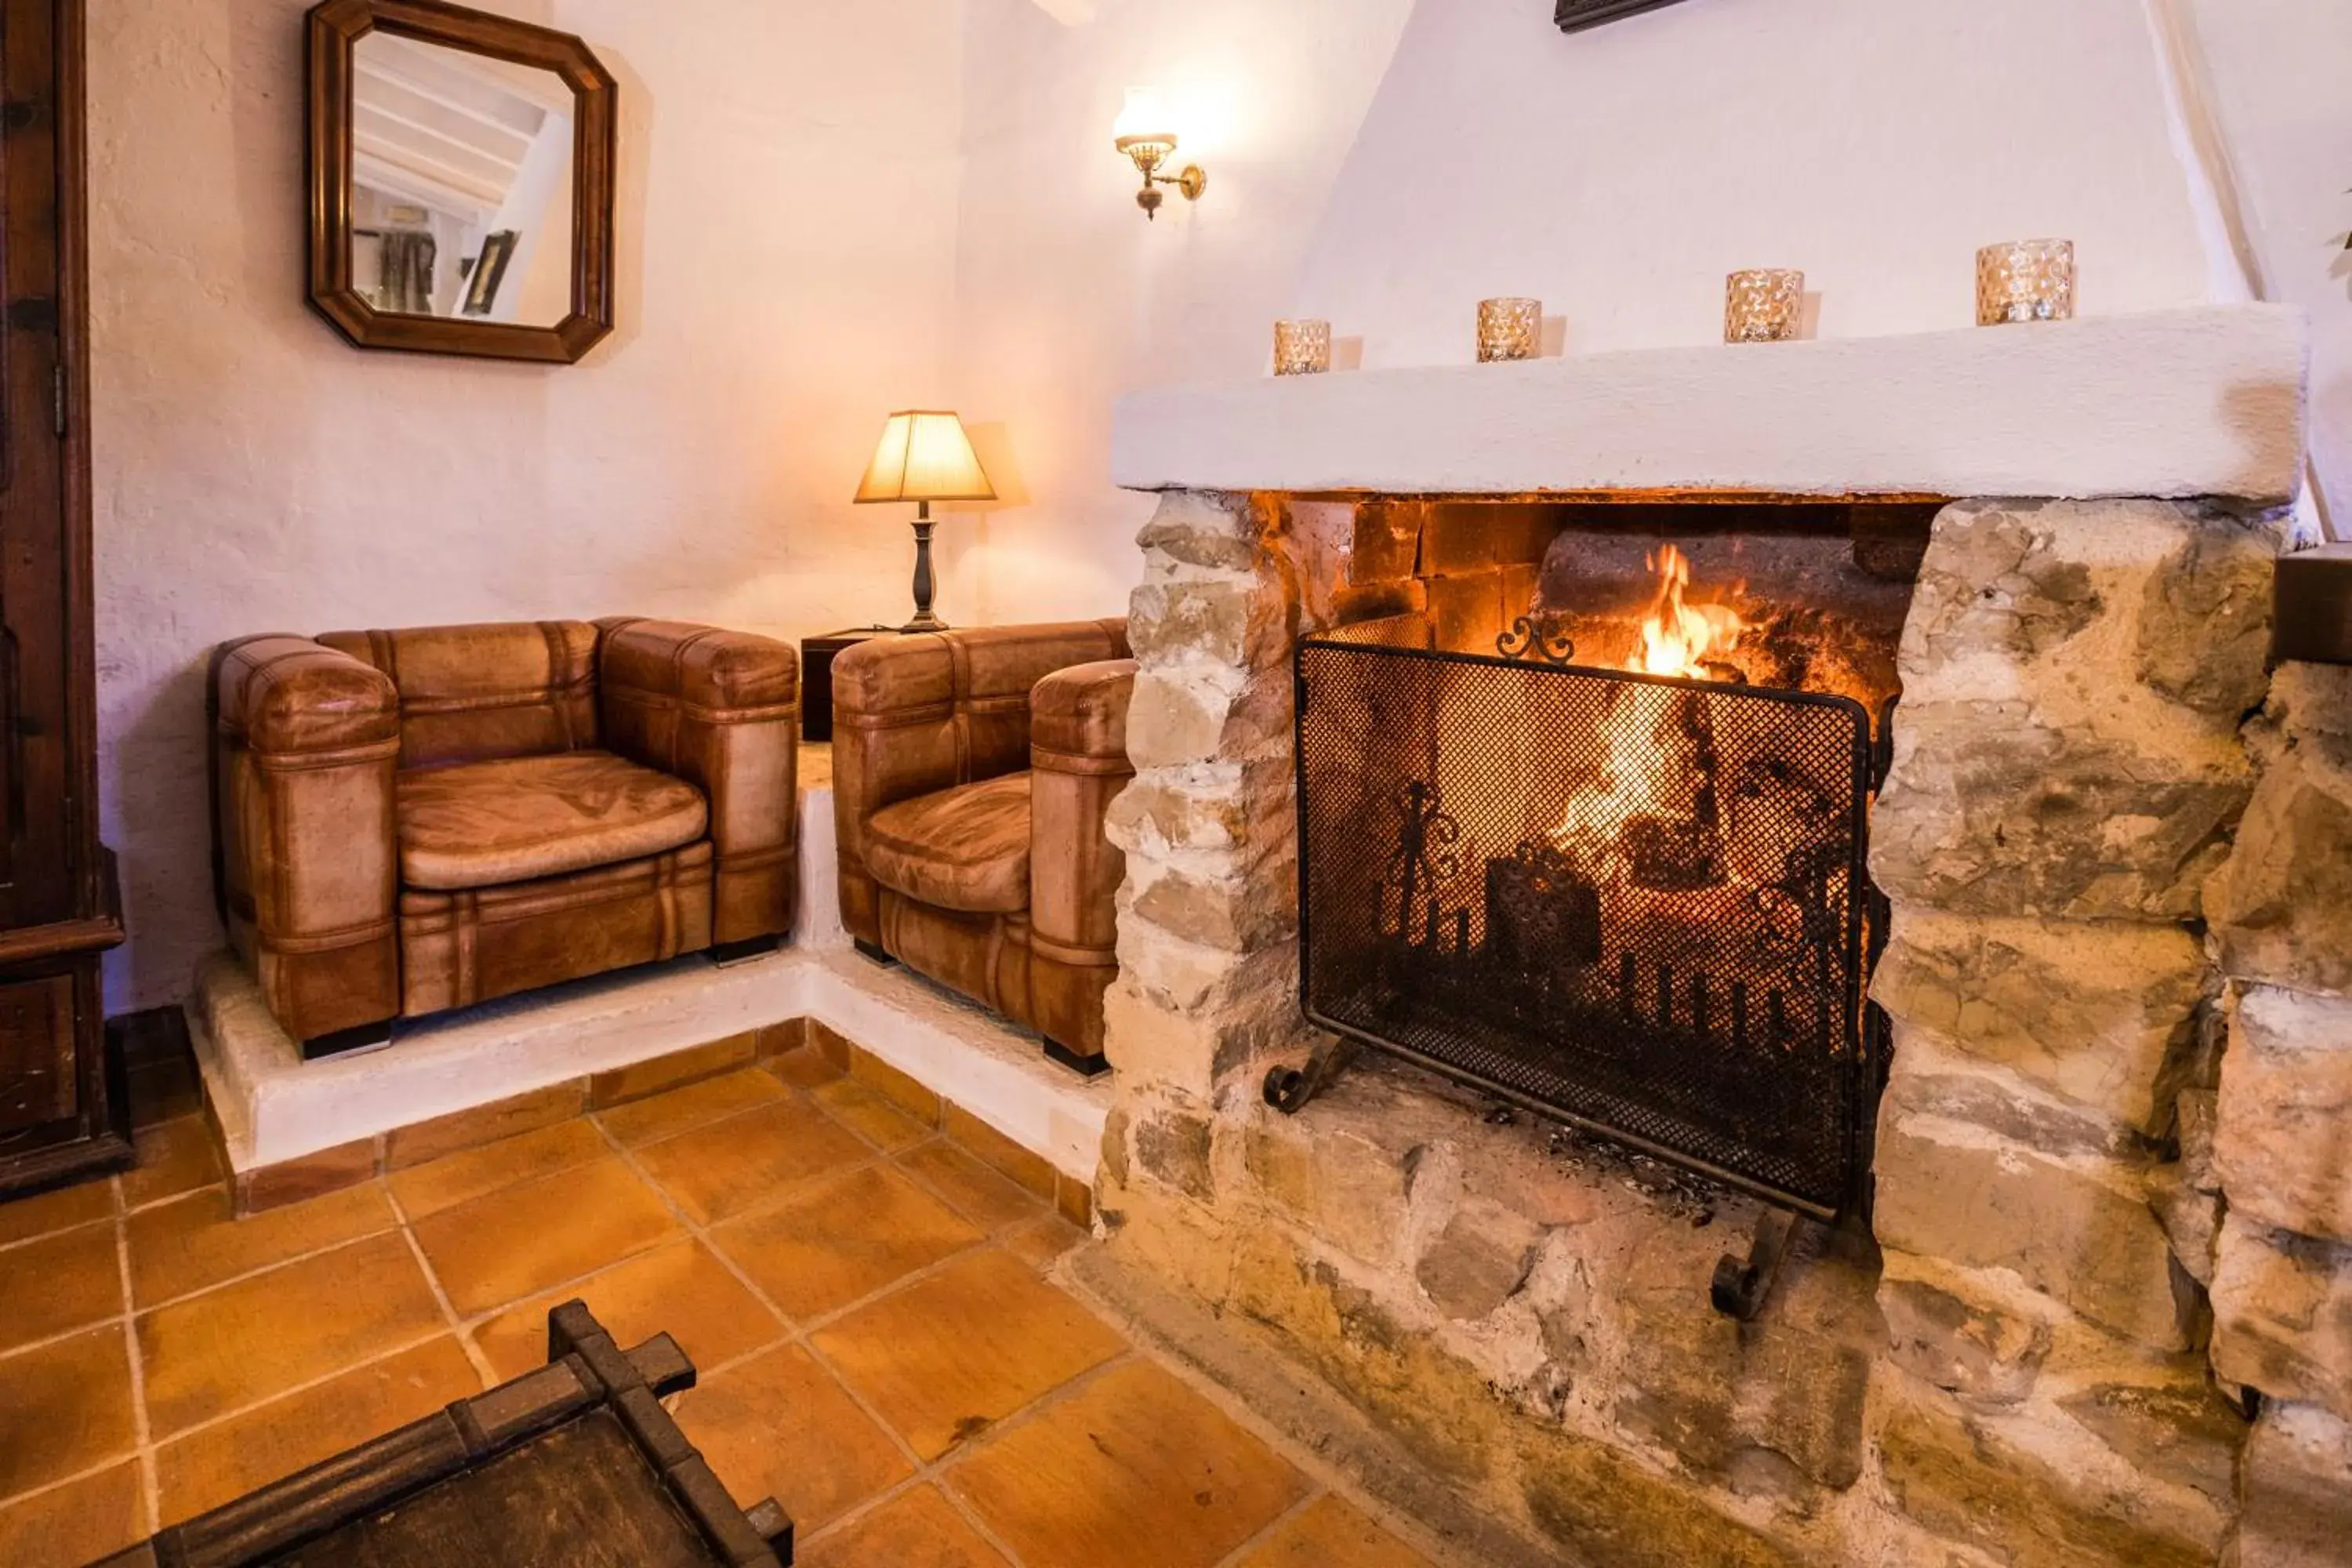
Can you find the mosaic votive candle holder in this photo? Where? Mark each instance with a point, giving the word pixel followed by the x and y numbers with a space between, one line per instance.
pixel 1763 305
pixel 1302 347
pixel 2025 281
pixel 1509 328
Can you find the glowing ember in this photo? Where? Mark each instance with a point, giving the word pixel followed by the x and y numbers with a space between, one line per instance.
pixel 1679 639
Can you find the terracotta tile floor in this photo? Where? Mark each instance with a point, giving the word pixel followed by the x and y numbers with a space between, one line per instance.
pixel 878 1344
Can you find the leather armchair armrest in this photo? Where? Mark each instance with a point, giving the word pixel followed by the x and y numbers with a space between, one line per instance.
pixel 1078 743
pixel 288 695
pixel 1078 718
pixel 722 710
pixel 305 744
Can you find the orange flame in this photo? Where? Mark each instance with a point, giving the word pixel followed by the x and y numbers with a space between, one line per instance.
pixel 1679 639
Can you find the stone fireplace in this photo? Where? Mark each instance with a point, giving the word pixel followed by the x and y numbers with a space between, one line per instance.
pixel 2093 1302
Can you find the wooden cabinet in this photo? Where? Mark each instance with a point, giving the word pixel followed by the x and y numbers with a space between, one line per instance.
pixel 62 1114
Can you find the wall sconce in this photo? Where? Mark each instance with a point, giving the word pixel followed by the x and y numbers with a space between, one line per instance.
pixel 1139 133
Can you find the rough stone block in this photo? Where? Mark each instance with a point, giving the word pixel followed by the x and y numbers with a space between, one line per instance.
pixel 1981 1355
pixel 1253 902
pixel 1174 1148
pixel 1978 1480
pixel 2170 1424
pixel 2093 1011
pixel 2196 1111
pixel 1599 1504
pixel 1203 528
pixel 1190 1017
pixel 2297 1486
pixel 1479 1259
pixel 2281 909
pixel 2050 599
pixel 2079 1230
pixel 2283 1315
pixel 2191 1219
pixel 2282 1143
pixel 1213 807
pixel 1349 1189
pixel 1239 621
pixel 1999 808
pixel 1178 716
pixel 1723 1394
pixel 1171 1237
pixel 2028 780
pixel 1929 1079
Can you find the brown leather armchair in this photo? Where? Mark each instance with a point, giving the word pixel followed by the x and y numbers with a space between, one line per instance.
pixel 410 821
pixel 970 773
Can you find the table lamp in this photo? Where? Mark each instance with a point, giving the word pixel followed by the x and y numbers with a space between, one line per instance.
pixel 923 457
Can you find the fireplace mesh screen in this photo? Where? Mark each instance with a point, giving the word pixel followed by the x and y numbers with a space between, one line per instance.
pixel 1640 904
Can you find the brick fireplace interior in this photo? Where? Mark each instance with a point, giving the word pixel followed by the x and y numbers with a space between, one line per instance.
pixel 2035 1322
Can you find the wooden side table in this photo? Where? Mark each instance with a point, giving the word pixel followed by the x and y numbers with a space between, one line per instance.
pixel 573 1466
pixel 817 654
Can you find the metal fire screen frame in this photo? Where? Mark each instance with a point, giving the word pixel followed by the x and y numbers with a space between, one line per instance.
pixel 1703 1069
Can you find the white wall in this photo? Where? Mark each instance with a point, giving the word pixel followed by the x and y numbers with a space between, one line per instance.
pixel 2275 74
pixel 1067 296
pixel 787 206
pixel 1619 173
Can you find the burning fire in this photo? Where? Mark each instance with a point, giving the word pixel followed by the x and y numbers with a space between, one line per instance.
pixel 1679 639
pixel 1647 722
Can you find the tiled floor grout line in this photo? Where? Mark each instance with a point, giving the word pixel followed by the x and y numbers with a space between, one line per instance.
pixel 933 1473
pixel 1315 1493
pixel 147 1446
pixel 799 1332
pixel 466 1346
pixel 1321 1475
pixel 142 1437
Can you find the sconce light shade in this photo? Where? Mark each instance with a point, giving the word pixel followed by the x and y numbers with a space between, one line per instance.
pixel 1141 133
pixel 1142 123
pixel 925 456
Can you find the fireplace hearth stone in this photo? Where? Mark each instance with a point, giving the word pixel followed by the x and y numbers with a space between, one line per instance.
pixel 2039 1401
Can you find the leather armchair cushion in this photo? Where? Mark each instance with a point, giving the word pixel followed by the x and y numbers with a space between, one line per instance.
pixel 965 848
pixel 478 824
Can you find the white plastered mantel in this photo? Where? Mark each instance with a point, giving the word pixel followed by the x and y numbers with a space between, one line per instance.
pixel 2199 401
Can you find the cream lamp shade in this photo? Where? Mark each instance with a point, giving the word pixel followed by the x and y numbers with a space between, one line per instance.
pixel 924 455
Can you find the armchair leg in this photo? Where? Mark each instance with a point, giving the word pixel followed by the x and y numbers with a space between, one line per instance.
pixel 363 1037
pixel 726 953
pixel 1094 1066
pixel 873 950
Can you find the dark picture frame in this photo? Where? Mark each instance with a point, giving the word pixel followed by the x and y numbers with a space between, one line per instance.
pixel 489 272
pixel 332 30
pixel 1575 16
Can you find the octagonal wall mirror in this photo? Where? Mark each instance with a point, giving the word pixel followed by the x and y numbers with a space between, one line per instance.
pixel 460 169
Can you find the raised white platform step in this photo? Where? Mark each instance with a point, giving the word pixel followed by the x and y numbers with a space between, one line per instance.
pixel 2206 401
pixel 274 1107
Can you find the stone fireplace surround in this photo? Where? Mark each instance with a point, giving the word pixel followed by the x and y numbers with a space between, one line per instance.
pixel 2113 1207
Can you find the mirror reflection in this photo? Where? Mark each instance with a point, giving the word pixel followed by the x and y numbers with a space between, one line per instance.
pixel 461 183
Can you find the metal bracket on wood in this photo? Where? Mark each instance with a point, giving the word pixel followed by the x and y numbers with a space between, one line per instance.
pixel 1740 1286
pixel 1288 1090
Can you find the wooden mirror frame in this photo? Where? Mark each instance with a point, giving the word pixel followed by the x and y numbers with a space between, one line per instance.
pixel 334 28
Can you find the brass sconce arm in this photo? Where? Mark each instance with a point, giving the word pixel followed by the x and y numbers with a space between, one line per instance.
pixel 1148 152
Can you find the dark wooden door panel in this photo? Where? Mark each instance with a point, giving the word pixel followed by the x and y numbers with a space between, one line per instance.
pixel 36 1053
pixel 40 575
